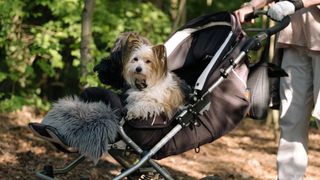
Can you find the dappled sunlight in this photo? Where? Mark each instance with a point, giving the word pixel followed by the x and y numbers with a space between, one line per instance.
pixel 8 158
pixel 247 152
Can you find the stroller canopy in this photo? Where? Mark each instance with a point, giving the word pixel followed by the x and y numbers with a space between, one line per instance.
pixel 200 45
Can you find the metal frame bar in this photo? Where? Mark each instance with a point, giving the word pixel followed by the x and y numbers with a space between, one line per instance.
pixel 41 175
pixel 204 75
pixel 147 157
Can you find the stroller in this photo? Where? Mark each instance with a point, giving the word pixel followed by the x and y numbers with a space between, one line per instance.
pixel 210 54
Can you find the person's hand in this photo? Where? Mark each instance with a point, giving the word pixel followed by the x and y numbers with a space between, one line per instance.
pixel 281 9
pixel 244 10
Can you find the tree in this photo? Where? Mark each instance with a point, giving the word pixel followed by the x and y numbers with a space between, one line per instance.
pixel 180 15
pixel 86 35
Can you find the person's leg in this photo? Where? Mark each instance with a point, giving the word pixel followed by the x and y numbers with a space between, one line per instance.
pixel 296 103
pixel 316 84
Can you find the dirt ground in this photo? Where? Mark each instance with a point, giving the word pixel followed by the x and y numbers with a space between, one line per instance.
pixel 248 152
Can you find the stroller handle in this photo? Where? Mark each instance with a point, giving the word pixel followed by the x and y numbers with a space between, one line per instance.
pixel 272 30
pixel 255 42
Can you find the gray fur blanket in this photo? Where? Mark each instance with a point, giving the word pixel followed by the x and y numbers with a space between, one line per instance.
pixel 90 127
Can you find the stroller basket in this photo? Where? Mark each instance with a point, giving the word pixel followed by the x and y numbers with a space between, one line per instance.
pixel 210 54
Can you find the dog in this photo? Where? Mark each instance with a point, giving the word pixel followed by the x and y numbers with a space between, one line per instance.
pixel 153 89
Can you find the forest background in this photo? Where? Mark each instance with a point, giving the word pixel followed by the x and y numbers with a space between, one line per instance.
pixel 41 61
pixel 40 42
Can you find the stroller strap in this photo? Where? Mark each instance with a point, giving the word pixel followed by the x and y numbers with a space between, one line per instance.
pixel 203 77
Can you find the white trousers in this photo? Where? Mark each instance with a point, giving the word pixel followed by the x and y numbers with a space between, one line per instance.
pixel 298 94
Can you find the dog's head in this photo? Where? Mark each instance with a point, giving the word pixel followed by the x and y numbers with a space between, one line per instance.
pixel 110 69
pixel 144 64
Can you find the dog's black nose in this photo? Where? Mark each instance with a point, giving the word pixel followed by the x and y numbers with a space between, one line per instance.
pixel 138 69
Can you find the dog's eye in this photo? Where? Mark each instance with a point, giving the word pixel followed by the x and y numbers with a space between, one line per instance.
pixel 148 61
pixel 135 59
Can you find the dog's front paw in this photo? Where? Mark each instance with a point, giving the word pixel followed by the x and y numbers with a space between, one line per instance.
pixel 130 116
pixel 133 113
pixel 141 111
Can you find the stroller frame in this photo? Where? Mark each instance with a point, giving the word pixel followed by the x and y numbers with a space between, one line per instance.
pixel 184 118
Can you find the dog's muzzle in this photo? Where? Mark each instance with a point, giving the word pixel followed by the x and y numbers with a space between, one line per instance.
pixel 140 84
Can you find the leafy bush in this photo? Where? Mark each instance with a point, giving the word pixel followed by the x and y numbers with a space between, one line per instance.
pixel 40 45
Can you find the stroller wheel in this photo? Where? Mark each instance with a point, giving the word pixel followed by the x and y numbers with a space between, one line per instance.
pixel 146 177
pixel 48 170
pixel 84 178
pixel 211 178
pixel 149 174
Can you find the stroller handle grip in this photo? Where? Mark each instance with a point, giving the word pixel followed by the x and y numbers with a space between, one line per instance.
pixel 272 30
pixel 255 14
pixel 279 26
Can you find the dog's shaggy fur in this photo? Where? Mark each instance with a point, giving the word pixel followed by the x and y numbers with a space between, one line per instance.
pixel 154 90
pixel 90 127
pixel 110 69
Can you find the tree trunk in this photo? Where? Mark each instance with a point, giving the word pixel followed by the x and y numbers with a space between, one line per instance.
pixel 181 15
pixel 158 3
pixel 86 35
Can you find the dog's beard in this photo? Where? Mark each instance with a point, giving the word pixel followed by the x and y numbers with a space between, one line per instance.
pixel 140 81
pixel 140 84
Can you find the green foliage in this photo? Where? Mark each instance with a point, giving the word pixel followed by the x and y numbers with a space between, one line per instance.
pixel 214 6
pixel 32 46
pixel 40 45
pixel 17 102
pixel 114 17
pixel 40 42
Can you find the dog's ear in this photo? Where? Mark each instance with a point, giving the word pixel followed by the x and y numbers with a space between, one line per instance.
pixel 161 55
pixel 132 41
pixel 160 52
